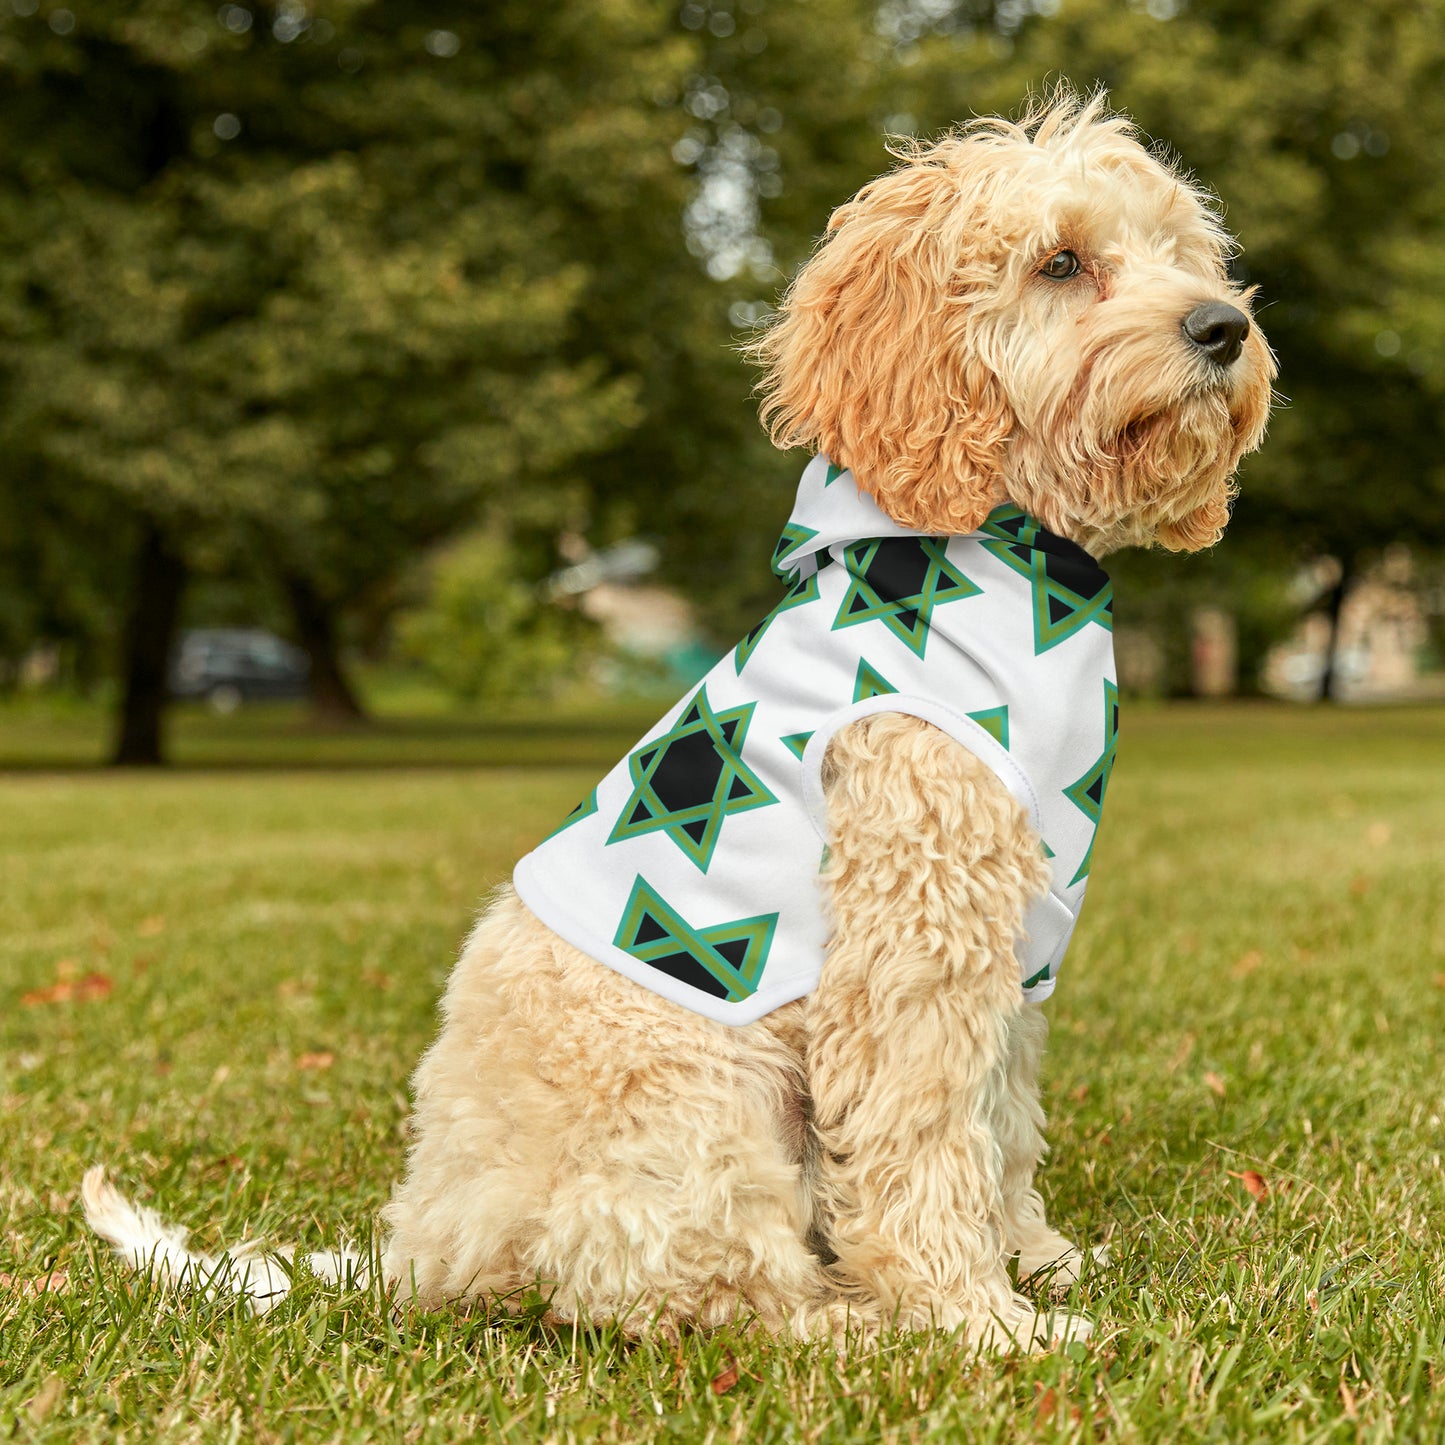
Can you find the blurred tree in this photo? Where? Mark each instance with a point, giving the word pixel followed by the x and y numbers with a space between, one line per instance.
pixel 483 633
pixel 304 281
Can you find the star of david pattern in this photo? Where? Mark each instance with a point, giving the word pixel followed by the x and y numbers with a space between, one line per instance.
pixel 869 682
pixel 805 590
pixel 898 581
pixel 994 721
pixel 796 743
pixel 584 809
pixel 1087 793
pixel 725 960
pixel 793 536
pixel 1070 590
pixel 688 782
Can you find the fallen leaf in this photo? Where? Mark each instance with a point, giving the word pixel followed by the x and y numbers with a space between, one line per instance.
pixel 81 990
pixel 1080 1094
pixel 321 1059
pixel 1254 1182
pixel 1377 834
pixel 151 927
pixel 724 1382
pixel 56 1282
pixel 377 979
pixel 1440 980
pixel 1247 964
pixel 1214 1083
pixel 56 993
pixel 1360 885
pixel 1046 1408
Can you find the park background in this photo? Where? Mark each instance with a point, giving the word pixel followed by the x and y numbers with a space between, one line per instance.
pixel 408 333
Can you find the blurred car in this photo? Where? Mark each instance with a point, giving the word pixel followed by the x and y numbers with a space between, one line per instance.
pixel 227 666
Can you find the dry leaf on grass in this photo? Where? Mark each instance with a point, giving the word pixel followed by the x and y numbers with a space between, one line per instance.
pixel 1254 1182
pixel 1440 980
pixel 1181 1054
pixel 56 1282
pixel 1214 1083
pixel 321 1059
pixel 67 990
pixel 377 979
pixel 1248 963
pixel 723 1382
pixel 151 927
pixel 1046 1407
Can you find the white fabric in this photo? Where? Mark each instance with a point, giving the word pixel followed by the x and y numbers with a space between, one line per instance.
pixel 602 882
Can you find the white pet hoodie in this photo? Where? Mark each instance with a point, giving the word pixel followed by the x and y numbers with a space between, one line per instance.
pixel 692 867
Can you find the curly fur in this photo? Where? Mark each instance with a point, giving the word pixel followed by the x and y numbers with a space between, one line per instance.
pixel 867 1155
pixel 921 347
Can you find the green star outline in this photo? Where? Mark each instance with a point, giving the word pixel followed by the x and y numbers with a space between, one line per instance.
pixel 789 540
pixel 584 809
pixel 1078 792
pixel 890 611
pixel 869 682
pixel 728 731
pixel 1082 610
pixel 701 944
pixel 799 593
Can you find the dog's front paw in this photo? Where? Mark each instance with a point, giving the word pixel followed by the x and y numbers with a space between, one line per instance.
pixel 1057 1265
pixel 1023 1326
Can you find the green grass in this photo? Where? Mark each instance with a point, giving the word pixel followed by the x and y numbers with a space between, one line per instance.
pixel 1256 985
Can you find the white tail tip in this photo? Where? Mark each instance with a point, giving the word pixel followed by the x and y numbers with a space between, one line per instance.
pixel 148 1244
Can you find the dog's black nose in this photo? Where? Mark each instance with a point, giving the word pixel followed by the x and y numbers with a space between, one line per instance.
pixel 1217 330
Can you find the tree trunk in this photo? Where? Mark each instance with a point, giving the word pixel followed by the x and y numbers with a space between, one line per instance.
pixel 333 699
pixel 150 630
pixel 1335 605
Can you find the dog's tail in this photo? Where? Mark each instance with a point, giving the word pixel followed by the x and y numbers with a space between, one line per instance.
pixel 147 1243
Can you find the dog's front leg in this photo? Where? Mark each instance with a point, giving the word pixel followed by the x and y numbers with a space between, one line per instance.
pixel 931 865
pixel 1018 1122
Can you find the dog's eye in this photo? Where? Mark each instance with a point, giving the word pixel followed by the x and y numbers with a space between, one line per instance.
pixel 1060 266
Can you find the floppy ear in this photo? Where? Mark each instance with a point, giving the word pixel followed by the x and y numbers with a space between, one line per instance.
pixel 871 357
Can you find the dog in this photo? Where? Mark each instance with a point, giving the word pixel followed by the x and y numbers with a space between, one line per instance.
pixel 796 1083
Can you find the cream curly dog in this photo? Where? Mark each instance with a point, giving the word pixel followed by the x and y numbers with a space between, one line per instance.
pixel 1021 320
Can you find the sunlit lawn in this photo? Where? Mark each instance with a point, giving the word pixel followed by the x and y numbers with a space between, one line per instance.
pixel 218 979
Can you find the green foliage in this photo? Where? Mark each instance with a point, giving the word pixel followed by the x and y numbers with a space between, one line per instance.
pixel 484 634
pixel 321 285
pixel 312 291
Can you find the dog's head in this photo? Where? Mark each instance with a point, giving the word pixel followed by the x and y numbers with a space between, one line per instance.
pixel 1036 311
